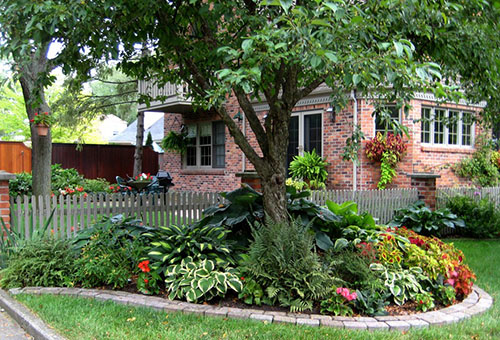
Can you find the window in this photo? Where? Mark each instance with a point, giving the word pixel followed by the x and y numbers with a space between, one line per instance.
pixel 305 133
pixel 446 127
pixel 383 119
pixel 206 145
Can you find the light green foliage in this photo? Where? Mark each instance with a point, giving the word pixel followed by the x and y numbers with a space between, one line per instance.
pixel 65 178
pixel 200 280
pixel 281 260
pixel 170 245
pixel 403 284
pixel 310 168
pixel 337 305
pixel 97 185
pixel 424 301
pixel 175 141
pixel 109 251
pixel 42 262
pixel 387 169
pixel 353 145
pixel 479 169
pixel 482 219
pixel 425 221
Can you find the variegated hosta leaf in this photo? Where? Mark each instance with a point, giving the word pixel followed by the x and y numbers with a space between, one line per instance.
pixel 208 265
pixel 221 287
pixel 205 284
pixel 235 284
pixel 201 272
pixel 186 260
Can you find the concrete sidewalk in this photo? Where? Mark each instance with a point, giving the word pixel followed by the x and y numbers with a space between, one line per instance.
pixel 10 330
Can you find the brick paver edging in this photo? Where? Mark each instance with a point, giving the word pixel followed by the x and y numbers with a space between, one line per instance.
pixel 477 302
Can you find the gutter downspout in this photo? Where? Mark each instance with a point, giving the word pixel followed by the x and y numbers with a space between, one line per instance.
pixel 244 160
pixel 354 125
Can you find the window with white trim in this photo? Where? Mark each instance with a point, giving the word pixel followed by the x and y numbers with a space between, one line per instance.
pixel 382 125
pixel 441 126
pixel 206 145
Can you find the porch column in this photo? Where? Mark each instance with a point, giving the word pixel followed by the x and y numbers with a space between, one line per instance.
pixel 5 177
pixel 426 186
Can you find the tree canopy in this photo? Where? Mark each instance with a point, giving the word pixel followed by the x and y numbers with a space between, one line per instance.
pixel 278 51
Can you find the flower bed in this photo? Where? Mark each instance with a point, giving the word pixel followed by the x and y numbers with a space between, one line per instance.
pixel 330 260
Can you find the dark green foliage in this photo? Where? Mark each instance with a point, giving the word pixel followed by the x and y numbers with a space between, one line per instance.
pixel 372 302
pixel 149 140
pixel 281 259
pixel 21 185
pixel 109 252
pixel 65 178
pixel 97 185
pixel 170 245
pixel 482 219
pixel 175 141
pixel 423 220
pixel 252 293
pixel 42 262
pixel 245 207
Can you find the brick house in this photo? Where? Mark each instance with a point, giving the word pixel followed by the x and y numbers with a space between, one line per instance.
pixel 213 162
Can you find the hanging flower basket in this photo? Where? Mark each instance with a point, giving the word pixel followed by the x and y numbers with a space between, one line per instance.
pixel 42 129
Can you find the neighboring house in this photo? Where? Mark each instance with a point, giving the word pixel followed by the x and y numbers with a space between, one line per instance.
pixel 109 126
pixel 214 162
pixel 153 123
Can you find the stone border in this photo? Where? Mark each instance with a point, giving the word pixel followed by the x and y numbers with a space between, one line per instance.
pixel 477 302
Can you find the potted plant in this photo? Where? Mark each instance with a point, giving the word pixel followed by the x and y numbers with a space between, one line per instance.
pixel 42 122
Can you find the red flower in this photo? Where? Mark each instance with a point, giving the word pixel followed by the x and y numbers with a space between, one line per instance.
pixel 146 280
pixel 242 278
pixel 144 266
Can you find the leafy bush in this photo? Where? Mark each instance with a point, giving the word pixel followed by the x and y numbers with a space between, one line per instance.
pixel 282 261
pixel 42 262
pixel 170 245
pixel 482 219
pixel 65 178
pixel 480 168
pixel 200 280
pixel 421 219
pixel 310 168
pixel 21 185
pixel 245 207
pixel 109 252
pixel 96 185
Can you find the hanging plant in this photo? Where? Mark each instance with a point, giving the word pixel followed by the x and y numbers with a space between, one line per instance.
pixel 42 122
pixel 389 150
pixel 175 141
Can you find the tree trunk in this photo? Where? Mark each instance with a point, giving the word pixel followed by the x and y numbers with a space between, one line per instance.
pixel 139 141
pixel 34 99
pixel 274 195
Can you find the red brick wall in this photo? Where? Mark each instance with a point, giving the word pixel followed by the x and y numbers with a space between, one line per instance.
pixel 418 158
pixel 4 203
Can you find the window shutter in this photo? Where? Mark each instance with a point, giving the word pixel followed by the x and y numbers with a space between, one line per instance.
pixel 219 145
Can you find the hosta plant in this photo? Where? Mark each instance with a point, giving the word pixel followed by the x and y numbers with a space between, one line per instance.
pixel 200 280
pixel 404 284
pixel 169 245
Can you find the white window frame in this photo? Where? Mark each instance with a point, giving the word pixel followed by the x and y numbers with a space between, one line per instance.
pixel 301 115
pixel 375 119
pixel 198 150
pixel 446 129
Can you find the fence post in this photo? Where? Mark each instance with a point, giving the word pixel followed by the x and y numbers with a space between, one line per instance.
pixel 425 183
pixel 5 177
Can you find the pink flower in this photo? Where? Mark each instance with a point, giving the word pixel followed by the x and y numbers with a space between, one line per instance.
pixel 451 282
pixel 339 290
pixel 351 296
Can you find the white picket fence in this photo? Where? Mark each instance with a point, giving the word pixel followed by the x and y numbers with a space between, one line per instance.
pixel 72 213
pixel 444 194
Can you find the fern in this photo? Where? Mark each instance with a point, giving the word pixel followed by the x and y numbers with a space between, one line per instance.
pixel 281 259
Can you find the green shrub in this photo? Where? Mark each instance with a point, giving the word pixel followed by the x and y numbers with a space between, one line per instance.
pixel 282 261
pixel 310 168
pixel 109 252
pixel 65 178
pixel 21 185
pixel 42 262
pixel 479 169
pixel 482 219
pixel 96 185
pixel 423 220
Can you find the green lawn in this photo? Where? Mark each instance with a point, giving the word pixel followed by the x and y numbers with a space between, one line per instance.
pixel 89 319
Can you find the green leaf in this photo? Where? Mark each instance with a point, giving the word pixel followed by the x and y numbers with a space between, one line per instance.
pixel 315 61
pixel 235 284
pixel 323 241
pixel 205 284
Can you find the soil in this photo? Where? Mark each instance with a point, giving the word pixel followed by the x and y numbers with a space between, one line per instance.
pixel 231 300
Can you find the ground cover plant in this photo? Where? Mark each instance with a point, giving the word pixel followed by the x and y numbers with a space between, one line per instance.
pixel 108 320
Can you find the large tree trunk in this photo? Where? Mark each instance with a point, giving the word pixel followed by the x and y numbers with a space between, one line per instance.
pixel 139 141
pixel 34 99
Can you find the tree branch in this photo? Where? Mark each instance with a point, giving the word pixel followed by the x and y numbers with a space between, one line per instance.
pixel 299 94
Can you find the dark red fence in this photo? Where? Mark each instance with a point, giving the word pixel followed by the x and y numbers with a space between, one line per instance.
pixel 103 161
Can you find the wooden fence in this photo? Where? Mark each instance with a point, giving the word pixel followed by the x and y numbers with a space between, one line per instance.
pixel 15 157
pixel 443 194
pixel 103 161
pixel 72 213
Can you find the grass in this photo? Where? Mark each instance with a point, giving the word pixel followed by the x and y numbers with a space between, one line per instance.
pixel 77 318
